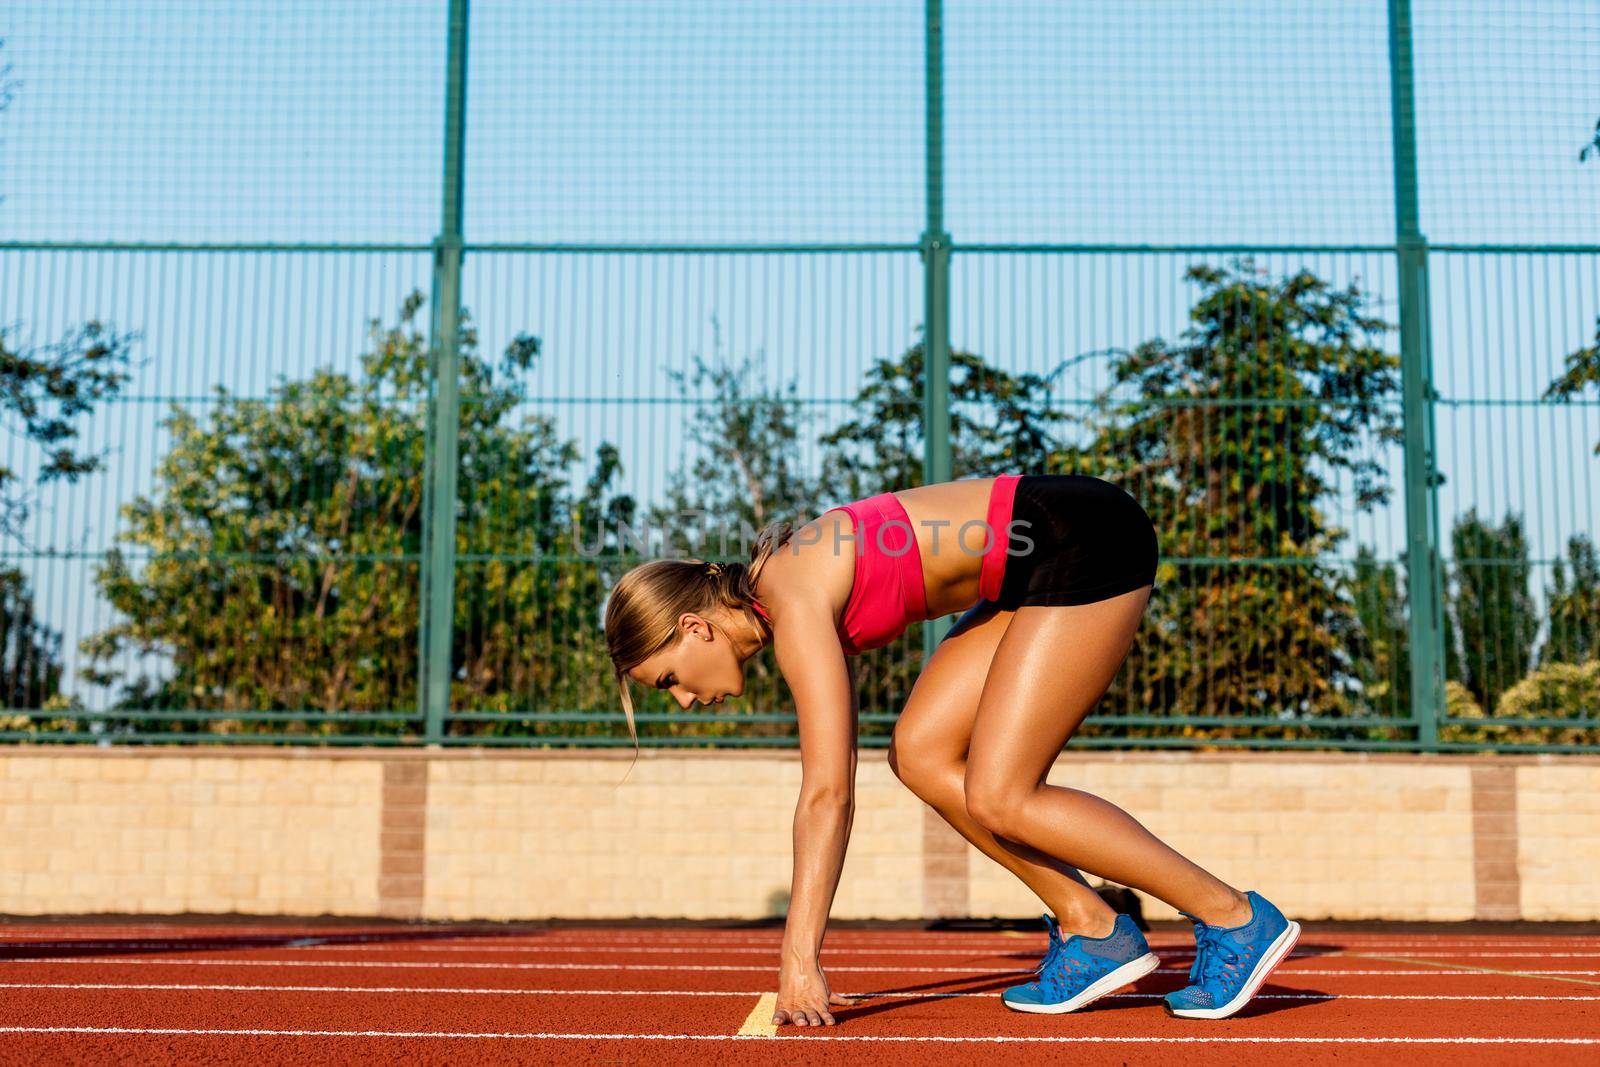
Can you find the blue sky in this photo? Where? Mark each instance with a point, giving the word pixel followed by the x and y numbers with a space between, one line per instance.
pixel 1159 121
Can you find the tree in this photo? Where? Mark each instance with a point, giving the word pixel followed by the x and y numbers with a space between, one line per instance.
pixel 1493 615
pixel 1575 613
pixel 1552 692
pixel 1582 370
pixel 1383 657
pixel 275 564
pixel 45 393
pixel 1000 423
pixel 1556 691
pixel 746 468
pixel 1574 610
pixel 1230 437
pixel 30 652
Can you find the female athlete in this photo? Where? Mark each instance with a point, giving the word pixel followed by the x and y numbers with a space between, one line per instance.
pixel 1052 573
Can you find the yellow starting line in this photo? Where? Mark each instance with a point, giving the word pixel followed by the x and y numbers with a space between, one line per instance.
pixel 759 1022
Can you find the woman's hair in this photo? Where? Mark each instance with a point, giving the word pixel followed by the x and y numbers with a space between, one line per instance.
pixel 643 608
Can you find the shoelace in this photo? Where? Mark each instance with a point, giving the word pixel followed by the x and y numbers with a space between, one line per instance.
pixel 1200 934
pixel 1056 945
pixel 1213 956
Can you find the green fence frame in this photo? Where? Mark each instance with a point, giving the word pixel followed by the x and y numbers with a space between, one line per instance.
pixel 940 253
pixel 1423 572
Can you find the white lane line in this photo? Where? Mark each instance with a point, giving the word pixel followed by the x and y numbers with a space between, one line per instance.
pixel 759 1022
pixel 996 1039
pixel 443 934
pixel 500 991
pixel 911 945
pixel 132 961
pixel 647 951
pixel 1440 944
pixel 986 951
pixel 426 990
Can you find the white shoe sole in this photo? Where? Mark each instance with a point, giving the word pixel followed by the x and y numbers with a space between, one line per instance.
pixel 1129 972
pixel 1276 953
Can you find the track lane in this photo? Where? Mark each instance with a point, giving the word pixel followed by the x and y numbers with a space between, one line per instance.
pixel 922 1008
pixel 1324 1005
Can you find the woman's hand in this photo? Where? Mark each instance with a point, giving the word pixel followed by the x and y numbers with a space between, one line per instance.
pixel 804 996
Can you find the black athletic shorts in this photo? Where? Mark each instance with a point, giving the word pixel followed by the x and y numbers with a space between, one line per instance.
pixel 1090 540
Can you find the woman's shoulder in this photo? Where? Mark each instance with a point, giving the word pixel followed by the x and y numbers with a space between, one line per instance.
pixel 817 562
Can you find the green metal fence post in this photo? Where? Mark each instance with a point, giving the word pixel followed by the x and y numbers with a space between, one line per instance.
pixel 936 292
pixel 438 579
pixel 1423 570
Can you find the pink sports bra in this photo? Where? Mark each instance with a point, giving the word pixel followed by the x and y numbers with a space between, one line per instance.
pixel 887 594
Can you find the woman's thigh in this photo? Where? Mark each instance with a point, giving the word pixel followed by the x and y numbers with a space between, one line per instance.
pixel 935 726
pixel 1049 672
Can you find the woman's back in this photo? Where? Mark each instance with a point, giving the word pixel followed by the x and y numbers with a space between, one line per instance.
pixel 910 560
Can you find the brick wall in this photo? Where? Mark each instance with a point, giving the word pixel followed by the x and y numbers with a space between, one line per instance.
pixel 117 831
pixel 539 834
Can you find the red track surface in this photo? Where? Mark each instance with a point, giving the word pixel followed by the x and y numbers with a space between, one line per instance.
pixel 253 993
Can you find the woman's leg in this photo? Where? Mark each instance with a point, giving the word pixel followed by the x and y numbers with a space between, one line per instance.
pixel 929 754
pixel 1048 672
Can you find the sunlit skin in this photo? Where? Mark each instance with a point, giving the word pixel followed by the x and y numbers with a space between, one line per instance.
pixel 990 712
pixel 706 664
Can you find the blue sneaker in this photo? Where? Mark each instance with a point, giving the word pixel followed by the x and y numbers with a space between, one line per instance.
pixel 1231 963
pixel 1076 971
pixel 1053 929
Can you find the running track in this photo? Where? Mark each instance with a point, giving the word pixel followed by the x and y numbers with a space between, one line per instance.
pixel 268 993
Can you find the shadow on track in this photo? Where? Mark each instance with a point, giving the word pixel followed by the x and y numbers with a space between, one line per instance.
pixel 936 991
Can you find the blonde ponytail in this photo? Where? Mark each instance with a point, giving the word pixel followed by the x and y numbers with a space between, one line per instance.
pixel 771 538
pixel 643 608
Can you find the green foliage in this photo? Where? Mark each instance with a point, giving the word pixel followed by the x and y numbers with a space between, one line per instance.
pixel 1493 622
pixel 1554 691
pixel 747 468
pixel 275 566
pixel 1459 703
pixel 1383 655
pixel 44 392
pixel 1230 437
pixel 1581 371
pixel 30 652
pixel 999 423
pixel 1574 609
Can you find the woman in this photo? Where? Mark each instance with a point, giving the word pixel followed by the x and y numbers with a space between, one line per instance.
pixel 1053 573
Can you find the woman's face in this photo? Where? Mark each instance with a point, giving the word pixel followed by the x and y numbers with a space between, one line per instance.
pixel 702 666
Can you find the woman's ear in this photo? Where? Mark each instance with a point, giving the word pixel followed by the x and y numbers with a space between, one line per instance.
pixel 694 626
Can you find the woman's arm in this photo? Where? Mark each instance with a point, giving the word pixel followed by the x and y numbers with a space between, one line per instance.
pixel 813 663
